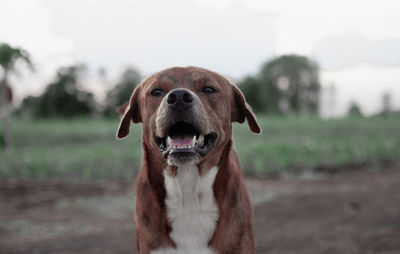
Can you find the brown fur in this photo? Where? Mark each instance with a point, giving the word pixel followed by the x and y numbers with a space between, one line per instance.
pixel 233 233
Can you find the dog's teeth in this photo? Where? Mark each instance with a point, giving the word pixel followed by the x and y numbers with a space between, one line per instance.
pixel 200 140
pixel 194 140
pixel 168 141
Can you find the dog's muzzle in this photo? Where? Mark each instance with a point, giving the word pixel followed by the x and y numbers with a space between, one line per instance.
pixel 185 136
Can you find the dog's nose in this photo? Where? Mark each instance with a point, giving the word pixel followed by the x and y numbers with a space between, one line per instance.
pixel 180 99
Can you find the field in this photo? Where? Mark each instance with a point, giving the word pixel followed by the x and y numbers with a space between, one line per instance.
pixel 68 187
pixel 86 150
pixel 353 212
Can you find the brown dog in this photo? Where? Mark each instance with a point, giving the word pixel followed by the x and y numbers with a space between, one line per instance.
pixel 190 194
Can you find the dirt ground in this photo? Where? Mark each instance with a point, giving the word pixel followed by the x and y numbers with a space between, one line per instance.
pixel 348 212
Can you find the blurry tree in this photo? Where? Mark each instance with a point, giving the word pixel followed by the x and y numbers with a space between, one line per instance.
pixel 354 110
pixel 252 90
pixel 62 97
pixel 29 107
pixel 9 59
pixel 328 96
pixel 292 84
pixel 285 85
pixel 386 104
pixel 121 93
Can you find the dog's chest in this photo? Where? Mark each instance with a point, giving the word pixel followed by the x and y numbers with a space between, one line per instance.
pixel 191 209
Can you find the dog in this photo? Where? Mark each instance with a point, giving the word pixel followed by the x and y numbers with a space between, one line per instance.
pixel 190 193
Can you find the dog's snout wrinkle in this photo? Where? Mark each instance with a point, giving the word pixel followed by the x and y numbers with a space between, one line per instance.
pixel 180 99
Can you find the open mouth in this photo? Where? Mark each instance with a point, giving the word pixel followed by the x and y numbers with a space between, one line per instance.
pixel 184 140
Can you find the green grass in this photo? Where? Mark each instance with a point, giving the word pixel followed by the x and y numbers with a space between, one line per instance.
pixel 78 149
pixel 86 149
pixel 296 143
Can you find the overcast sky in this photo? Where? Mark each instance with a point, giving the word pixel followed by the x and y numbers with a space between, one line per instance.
pixel 357 43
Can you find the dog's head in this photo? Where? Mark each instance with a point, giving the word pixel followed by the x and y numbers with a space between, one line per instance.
pixel 186 113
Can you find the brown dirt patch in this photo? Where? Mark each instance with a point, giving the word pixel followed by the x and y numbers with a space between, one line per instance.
pixel 349 212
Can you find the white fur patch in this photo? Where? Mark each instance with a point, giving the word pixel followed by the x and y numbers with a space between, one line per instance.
pixel 191 210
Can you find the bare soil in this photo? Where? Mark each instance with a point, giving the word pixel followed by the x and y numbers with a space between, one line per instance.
pixel 348 212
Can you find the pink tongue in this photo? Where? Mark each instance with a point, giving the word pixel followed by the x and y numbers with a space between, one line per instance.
pixel 181 141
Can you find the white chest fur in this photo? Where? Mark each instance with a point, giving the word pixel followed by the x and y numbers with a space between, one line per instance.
pixel 191 210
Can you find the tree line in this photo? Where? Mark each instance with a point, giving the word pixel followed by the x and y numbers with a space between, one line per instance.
pixel 285 85
pixel 64 97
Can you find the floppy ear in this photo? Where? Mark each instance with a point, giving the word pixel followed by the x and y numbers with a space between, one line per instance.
pixel 241 111
pixel 130 113
pixel 121 109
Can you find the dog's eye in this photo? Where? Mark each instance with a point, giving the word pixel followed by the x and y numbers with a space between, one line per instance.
pixel 157 92
pixel 208 90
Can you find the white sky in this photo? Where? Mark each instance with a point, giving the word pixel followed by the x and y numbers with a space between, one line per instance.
pixel 357 43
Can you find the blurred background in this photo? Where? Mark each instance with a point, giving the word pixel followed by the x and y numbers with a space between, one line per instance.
pixel 322 76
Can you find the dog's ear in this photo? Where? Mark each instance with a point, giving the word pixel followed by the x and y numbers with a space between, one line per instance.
pixel 121 109
pixel 241 110
pixel 130 112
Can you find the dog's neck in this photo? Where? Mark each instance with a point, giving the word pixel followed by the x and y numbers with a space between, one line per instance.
pixel 192 194
pixel 156 165
pixel 191 208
